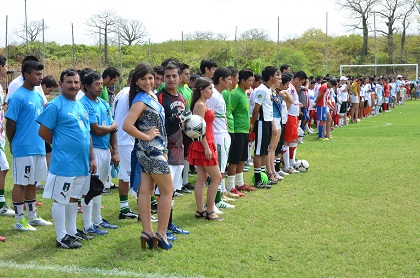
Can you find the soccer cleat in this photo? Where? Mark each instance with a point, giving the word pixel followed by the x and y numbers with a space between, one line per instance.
pixel 222 204
pixel 38 221
pixel 261 184
pixel 227 199
pixel 6 211
pixel 170 236
pixel 106 225
pixel 217 210
pixel 244 187
pixel 154 219
pixel 106 191
pixel 94 230
pixel 246 168
pixel 185 190
pixel 23 226
pixel 176 230
pixel 229 194
pixel 128 215
pixel 292 171
pixel 282 173
pixel 188 186
pixel 323 139
pixel 80 235
pixel 235 191
pixel 178 193
pixel 68 242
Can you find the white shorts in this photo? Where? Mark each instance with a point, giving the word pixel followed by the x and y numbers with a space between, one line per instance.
pixel 61 189
pixel 176 174
pixel 277 122
pixel 4 164
pixel 29 169
pixel 103 163
pixel 125 162
pixel 354 99
pixel 222 142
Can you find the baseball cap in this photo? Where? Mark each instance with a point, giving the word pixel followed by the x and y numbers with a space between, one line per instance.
pixel 96 188
pixel 343 78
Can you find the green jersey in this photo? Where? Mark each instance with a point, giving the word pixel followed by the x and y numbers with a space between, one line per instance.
pixel 229 117
pixel 104 94
pixel 187 93
pixel 239 107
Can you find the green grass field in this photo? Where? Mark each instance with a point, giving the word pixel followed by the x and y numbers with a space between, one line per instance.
pixel 355 213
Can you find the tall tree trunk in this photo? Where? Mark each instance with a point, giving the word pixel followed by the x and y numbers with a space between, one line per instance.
pixel 365 37
pixel 403 37
pixel 391 46
pixel 106 45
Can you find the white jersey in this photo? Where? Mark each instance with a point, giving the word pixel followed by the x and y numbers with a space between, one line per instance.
pixel 311 95
pixel 218 105
pixel 294 108
pixel 262 96
pixel 121 108
pixel 344 95
pixel 17 83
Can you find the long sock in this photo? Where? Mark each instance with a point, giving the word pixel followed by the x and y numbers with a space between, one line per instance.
pixel 185 172
pixel 320 131
pixel 231 182
pixel 71 216
pixel 263 169
pixel 170 219
pixel 285 153
pixel 2 199
pixel 30 209
pixel 223 185
pixel 18 211
pixel 277 164
pixel 153 200
pixel 218 196
pixel 59 216
pixel 292 153
pixel 239 179
pixel 87 214
pixel 249 150
pixel 124 204
pixel 257 174
pixel 96 209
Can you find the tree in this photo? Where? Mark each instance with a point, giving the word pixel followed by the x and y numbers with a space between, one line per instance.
pixel 255 34
pixel 407 11
pixel 360 10
pixel 34 30
pixel 103 23
pixel 131 31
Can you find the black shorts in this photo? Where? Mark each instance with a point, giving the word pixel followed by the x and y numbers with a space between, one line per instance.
pixel 48 148
pixel 262 131
pixel 365 104
pixel 343 107
pixel 238 148
pixel 186 141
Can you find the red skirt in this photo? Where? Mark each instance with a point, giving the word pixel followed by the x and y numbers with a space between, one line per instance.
pixel 197 157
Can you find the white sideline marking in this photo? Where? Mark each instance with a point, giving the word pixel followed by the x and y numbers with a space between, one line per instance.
pixel 75 269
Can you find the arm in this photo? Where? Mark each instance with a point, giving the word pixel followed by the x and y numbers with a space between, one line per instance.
pixel 100 130
pixel 113 147
pixel 10 132
pixel 45 133
pixel 128 126
pixel 92 162
pixel 286 97
pixel 255 114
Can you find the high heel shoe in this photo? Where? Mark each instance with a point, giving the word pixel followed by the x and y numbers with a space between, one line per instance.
pixel 151 241
pixel 207 216
pixel 199 214
pixel 161 242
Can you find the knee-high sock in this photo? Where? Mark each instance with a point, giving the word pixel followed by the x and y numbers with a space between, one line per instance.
pixel 87 214
pixel 292 154
pixel 71 216
pixel 285 153
pixel 96 209
pixel 320 131
pixel 59 216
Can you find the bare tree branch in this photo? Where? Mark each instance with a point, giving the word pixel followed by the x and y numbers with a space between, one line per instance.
pixel 131 31
pixel 34 30
pixel 255 34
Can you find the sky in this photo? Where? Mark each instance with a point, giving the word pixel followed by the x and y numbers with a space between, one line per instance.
pixel 167 19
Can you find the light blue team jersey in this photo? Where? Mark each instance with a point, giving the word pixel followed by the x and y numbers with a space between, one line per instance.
pixel 69 123
pixel 24 107
pixel 100 113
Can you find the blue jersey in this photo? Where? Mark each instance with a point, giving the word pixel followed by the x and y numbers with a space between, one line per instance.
pixel 100 113
pixel 69 123
pixel 24 107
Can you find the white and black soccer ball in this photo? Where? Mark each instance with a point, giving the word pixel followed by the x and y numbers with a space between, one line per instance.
pixel 195 127
pixel 301 165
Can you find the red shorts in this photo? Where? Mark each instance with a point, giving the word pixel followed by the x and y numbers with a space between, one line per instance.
pixel 291 132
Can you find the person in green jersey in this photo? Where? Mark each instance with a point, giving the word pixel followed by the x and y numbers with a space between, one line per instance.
pixel 240 109
pixel 109 76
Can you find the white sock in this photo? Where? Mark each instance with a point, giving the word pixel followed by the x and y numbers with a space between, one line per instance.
pixel 87 214
pixel 239 179
pixel 185 172
pixel 71 216
pixel 286 157
pixel 231 182
pixel 31 209
pixel 96 209
pixel 223 185
pixel 292 160
pixel 59 216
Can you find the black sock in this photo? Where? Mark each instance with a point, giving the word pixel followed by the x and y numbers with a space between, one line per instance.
pixel 257 174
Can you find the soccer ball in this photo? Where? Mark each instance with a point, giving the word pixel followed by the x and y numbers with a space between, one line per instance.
pixel 301 165
pixel 195 127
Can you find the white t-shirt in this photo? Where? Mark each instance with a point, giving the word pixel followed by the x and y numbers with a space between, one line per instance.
pixel 218 105
pixel 294 108
pixel 262 96
pixel 121 108
pixel 343 92
pixel 311 95
pixel 18 82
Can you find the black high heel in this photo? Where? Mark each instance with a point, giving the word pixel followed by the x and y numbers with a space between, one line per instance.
pixel 207 216
pixel 199 214
pixel 151 241
pixel 161 242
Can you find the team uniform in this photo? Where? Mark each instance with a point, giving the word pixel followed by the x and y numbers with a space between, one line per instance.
pixel 263 125
pixel 29 163
pixel 291 131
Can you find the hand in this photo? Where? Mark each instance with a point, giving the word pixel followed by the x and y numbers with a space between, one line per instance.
pixel 208 153
pixel 183 115
pixel 114 127
pixel 92 166
pixel 152 133
pixel 115 159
